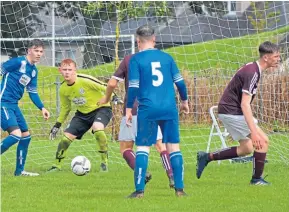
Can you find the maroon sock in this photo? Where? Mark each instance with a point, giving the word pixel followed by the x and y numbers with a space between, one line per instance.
pixel 166 163
pixel 258 164
pixel 129 156
pixel 225 154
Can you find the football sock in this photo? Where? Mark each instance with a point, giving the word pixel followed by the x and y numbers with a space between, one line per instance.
pixel 258 164
pixel 176 159
pixel 141 164
pixel 166 163
pixel 8 142
pixel 224 154
pixel 129 156
pixel 61 151
pixel 22 150
pixel 102 143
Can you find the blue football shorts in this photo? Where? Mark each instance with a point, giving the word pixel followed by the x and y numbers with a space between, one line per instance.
pixel 11 116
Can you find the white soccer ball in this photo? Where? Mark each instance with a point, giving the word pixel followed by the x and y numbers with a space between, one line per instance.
pixel 80 165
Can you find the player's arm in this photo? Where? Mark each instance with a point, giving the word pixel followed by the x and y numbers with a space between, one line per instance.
pixel 33 95
pixel 64 112
pixel 247 94
pixel 181 86
pixel 10 65
pixel 133 87
pixel 118 76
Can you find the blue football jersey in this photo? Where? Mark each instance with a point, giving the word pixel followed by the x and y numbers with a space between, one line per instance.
pixel 154 72
pixel 17 73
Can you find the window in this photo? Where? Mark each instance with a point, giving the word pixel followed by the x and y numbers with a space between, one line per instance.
pixel 231 7
pixel 58 57
pixel 71 54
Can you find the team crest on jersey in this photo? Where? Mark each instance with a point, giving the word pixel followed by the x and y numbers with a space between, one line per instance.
pixel 23 67
pixel 81 91
pixel 33 74
pixel 24 79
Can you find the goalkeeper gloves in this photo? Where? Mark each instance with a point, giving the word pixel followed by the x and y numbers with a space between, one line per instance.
pixel 54 131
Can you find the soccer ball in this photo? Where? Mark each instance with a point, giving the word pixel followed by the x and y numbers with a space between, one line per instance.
pixel 80 165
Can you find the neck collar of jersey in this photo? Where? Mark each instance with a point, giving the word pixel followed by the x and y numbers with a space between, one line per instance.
pixel 259 67
pixel 147 49
pixel 28 61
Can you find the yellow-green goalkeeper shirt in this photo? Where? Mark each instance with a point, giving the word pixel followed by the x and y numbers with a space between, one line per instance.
pixel 84 93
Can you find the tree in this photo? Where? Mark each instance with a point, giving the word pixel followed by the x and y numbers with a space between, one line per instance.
pixel 259 18
pixel 18 19
pixel 213 8
pixel 124 10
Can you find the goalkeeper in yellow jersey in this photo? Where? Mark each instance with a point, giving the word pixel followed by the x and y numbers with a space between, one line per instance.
pixel 84 91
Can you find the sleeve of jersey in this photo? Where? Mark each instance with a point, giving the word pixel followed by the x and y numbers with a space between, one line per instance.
pixel 65 108
pixel 9 66
pixel 179 81
pixel 36 100
pixel 119 73
pixel 133 76
pixel 32 90
pixel 249 81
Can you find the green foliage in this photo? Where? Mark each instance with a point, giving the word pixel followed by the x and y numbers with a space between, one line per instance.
pixel 259 18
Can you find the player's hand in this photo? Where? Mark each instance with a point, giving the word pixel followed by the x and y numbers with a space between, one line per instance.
pixel 128 117
pixel 45 113
pixel 185 107
pixel 54 131
pixel 103 101
pixel 257 141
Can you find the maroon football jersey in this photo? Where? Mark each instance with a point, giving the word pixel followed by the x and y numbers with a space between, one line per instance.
pixel 121 74
pixel 245 80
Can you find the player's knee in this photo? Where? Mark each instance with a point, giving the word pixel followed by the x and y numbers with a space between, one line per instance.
pixel 246 148
pixel 125 145
pixel 172 147
pixel 25 134
pixel 97 126
pixel 16 132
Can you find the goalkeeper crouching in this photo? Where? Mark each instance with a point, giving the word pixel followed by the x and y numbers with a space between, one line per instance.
pixel 84 91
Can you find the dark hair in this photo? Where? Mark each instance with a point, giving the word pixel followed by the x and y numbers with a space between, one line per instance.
pixel 36 43
pixel 145 31
pixel 268 48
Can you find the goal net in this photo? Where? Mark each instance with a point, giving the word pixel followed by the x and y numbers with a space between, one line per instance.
pixel 208 40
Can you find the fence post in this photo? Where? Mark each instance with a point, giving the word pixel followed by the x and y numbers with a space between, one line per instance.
pixel 195 98
pixel 57 83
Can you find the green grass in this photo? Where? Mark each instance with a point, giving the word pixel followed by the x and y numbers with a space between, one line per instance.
pixel 222 187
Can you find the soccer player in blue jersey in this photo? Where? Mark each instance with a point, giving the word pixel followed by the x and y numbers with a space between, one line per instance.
pixel 152 75
pixel 19 73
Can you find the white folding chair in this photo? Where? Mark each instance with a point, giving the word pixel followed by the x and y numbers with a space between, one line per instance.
pixel 215 127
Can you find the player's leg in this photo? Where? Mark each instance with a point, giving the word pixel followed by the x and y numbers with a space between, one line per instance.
pixel 165 158
pixel 259 158
pixel 9 124
pixel 126 138
pixel 171 137
pixel 146 136
pixel 101 120
pixel 77 127
pixel 23 144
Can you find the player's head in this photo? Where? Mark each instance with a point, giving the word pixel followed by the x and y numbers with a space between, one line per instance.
pixel 68 70
pixel 145 36
pixel 269 54
pixel 35 50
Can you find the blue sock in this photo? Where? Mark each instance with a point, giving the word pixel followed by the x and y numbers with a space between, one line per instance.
pixel 141 164
pixel 22 150
pixel 8 142
pixel 178 169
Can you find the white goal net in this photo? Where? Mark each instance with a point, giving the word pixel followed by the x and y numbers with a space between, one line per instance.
pixel 208 40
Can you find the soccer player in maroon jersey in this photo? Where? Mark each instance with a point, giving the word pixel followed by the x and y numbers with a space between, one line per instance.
pixel 127 134
pixel 234 110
